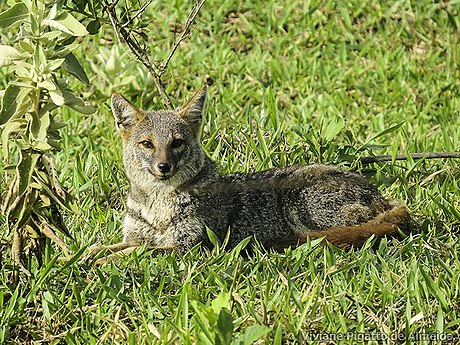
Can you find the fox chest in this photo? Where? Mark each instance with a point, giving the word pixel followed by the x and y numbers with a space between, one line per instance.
pixel 157 214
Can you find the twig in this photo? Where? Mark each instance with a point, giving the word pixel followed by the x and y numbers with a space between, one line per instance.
pixel 123 33
pixel 138 13
pixel 140 53
pixel 112 5
pixel 190 19
pixel 423 155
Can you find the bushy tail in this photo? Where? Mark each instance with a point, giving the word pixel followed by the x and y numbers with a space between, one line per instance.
pixel 385 224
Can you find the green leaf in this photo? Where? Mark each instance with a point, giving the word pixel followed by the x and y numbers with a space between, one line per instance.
pixel 53 12
pixel 333 128
pixel 53 90
pixel 240 246
pixel 273 110
pixel 57 125
pixel 57 98
pixel 113 65
pixel 39 127
pixel 74 102
pixel 202 321
pixel 251 334
pixel 440 321
pixel 9 103
pixel 47 298
pixel 26 46
pixel 34 17
pixel 53 65
pixel 383 133
pixel 25 169
pixel 278 336
pixel 224 327
pixel 221 301
pixel 47 84
pixel 65 22
pixel 16 13
pixel 19 211
pixel 61 51
pixel 213 238
pixel 7 130
pixel 73 66
pixel 56 144
pixel 22 85
pixel 93 27
pixel 50 36
pixel 72 260
pixel 41 146
pixel 12 305
pixel 12 96
pixel 9 54
pixel 434 289
pixel 39 58
pixel 45 185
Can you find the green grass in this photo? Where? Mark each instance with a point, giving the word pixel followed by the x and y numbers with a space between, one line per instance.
pixel 285 75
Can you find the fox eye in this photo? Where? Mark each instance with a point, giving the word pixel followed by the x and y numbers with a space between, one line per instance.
pixel 147 144
pixel 177 143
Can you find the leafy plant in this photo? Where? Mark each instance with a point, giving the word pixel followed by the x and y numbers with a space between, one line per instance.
pixel 36 57
pixel 323 142
pixel 215 324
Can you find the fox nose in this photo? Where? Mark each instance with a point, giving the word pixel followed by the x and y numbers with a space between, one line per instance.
pixel 164 167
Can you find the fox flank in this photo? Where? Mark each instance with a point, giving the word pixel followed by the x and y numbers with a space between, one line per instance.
pixel 176 191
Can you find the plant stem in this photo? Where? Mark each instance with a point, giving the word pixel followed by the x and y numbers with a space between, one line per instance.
pixel 423 155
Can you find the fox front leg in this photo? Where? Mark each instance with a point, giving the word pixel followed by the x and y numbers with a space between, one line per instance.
pixel 119 250
pixel 114 247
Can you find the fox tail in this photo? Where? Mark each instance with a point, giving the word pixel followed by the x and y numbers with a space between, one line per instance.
pixel 388 223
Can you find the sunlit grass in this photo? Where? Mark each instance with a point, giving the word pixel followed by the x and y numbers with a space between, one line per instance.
pixel 292 83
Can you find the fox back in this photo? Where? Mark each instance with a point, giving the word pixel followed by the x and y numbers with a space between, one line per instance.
pixel 176 191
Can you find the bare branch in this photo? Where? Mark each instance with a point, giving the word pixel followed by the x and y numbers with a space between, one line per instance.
pixel 140 53
pixel 423 155
pixel 187 29
pixel 112 5
pixel 126 34
pixel 138 13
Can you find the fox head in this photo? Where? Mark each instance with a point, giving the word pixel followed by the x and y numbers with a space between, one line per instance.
pixel 160 145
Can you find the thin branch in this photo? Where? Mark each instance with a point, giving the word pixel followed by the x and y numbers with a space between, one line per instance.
pixel 190 20
pixel 125 34
pixel 112 5
pixel 423 155
pixel 114 24
pixel 140 53
pixel 138 13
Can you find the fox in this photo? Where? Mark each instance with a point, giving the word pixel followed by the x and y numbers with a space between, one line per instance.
pixel 176 192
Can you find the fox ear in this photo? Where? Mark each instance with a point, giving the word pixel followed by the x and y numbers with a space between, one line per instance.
pixel 192 111
pixel 124 112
